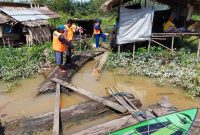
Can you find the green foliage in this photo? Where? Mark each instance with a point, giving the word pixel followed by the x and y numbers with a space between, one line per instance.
pixel 62 20
pixel 179 69
pixel 196 17
pixel 83 44
pixel 22 62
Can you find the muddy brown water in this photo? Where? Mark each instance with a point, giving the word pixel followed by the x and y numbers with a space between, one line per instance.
pixel 22 101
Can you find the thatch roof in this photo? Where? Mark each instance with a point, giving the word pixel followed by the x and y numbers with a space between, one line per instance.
pixel 4 18
pixel 109 4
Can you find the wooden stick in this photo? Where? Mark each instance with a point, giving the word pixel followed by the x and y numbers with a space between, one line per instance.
pixel 90 95
pixel 56 124
pixel 127 100
pixel 161 45
pixel 120 100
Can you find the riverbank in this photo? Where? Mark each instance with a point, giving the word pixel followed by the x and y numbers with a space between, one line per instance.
pixel 181 68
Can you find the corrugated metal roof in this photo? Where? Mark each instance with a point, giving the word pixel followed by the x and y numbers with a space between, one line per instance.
pixel 25 15
pixel 49 13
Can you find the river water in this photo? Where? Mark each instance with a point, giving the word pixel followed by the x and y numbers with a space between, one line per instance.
pixel 22 101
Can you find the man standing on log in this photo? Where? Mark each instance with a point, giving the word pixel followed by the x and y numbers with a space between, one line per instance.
pixel 60 45
pixel 69 35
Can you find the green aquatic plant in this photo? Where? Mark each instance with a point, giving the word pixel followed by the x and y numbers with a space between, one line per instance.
pixel 22 62
pixel 177 69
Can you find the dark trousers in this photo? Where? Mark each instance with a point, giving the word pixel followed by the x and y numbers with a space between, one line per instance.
pixel 68 56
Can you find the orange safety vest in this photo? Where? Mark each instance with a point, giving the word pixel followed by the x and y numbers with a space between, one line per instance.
pixel 97 31
pixel 57 45
pixel 69 32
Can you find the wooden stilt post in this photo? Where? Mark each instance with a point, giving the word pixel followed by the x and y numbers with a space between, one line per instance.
pixel 56 125
pixel 119 48
pixel 149 45
pixel 172 46
pixel 198 50
pixel 133 51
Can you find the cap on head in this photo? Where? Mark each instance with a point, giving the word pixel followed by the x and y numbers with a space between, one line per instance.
pixel 97 20
pixel 61 27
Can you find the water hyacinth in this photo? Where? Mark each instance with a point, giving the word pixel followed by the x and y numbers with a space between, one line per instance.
pixel 22 62
pixel 178 69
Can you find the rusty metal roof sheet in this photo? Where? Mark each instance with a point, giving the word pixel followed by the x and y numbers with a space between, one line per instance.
pixel 30 14
pixel 25 15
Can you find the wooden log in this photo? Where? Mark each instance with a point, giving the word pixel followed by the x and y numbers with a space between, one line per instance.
pixel 90 95
pixel 120 123
pixel 108 127
pixel 100 65
pixel 56 124
pixel 81 59
pixel 69 116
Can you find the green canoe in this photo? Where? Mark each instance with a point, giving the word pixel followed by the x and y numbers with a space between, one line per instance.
pixel 178 123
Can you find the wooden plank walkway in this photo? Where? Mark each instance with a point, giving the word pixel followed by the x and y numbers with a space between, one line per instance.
pixel 56 124
pixel 86 93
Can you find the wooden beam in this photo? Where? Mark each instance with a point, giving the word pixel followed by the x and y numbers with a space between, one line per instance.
pixel 90 95
pixel 161 45
pixel 56 124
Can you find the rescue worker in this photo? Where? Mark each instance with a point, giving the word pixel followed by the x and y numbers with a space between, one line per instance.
pixel 60 45
pixel 98 32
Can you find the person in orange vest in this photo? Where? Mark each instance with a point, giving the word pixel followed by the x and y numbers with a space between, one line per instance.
pixel 98 32
pixel 60 45
pixel 69 35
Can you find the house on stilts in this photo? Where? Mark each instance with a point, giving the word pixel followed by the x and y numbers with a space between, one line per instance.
pixel 143 20
pixel 24 23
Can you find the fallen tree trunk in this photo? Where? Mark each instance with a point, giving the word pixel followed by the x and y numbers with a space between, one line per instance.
pixel 100 65
pixel 123 122
pixel 80 60
pixel 76 113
